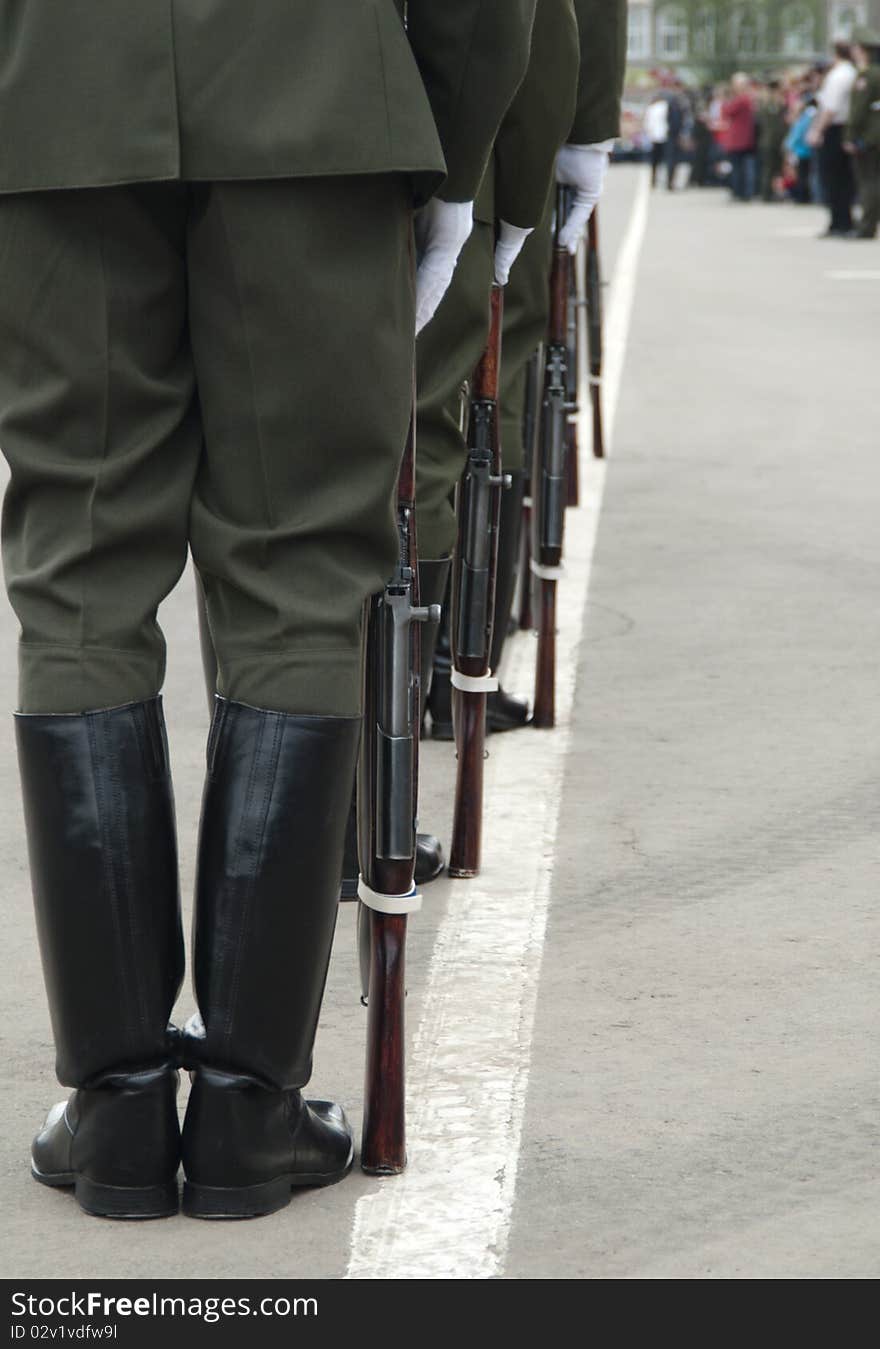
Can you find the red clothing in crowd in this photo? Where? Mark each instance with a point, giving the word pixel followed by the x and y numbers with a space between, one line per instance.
pixel 739 124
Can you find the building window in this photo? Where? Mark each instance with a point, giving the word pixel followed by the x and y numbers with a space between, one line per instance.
pixel 798 31
pixel 748 36
pixel 638 47
pixel 672 33
pixel 705 32
pixel 845 17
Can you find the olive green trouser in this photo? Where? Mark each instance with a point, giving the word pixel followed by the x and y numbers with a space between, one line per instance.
pixel 867 164
pixel 446 353
pixel 771 168
pixel 225 367
pixel 526 315
pixel 449 348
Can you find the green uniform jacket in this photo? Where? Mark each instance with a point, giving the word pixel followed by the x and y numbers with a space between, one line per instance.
pixel 603 26
pixel 864 119
pixel 96 92
pixel 571 92
pixel 772 127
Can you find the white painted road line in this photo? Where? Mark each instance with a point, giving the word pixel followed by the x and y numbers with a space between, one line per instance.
pixel 796 232
pixel 853 276
pixel 448 1216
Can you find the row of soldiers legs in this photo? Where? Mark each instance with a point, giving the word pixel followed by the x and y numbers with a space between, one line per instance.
pixel 215 249
pixel 97 788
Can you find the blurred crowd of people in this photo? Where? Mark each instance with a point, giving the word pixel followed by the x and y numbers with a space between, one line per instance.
pixel 808 136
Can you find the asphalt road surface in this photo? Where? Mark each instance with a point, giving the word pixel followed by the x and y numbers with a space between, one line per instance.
pixel 644 1042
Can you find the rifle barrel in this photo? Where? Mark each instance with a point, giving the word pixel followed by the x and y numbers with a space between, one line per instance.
pixel 473 589
pixel 595 333
pixel 551 477
pixel 387 808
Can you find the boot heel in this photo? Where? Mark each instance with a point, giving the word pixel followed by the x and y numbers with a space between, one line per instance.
pixel 117 1201
pixel 239 1201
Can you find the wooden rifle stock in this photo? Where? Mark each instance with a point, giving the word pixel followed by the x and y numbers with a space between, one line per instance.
pixel 594 332
pixel 550 480
pixel 387 806
pixel 473 598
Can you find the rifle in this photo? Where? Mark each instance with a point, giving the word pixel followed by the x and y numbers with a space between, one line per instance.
pixel 387 806
pixel 594 332
pixel 550 478
pixel 473 598
pixel 531 421
pixel 572 373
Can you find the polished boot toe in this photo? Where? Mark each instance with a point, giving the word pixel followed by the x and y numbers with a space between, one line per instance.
pixel 116 1144
pixel 506 712
pixel 323 1142
pixel 430 862
pixel 248 1145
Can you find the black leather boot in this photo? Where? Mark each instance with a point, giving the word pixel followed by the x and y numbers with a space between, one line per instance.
pixel 505 711
pixel 351 867
pixel 274 813
pixel 437 677
pixel 101 836
pixel 117 1142
pixel 433 589
pixel 430 859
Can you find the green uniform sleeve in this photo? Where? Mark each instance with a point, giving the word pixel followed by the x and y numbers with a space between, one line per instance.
pixel 602 25
pixel 473 55
pixel 539 118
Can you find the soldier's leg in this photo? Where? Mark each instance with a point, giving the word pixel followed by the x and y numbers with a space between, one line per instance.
pixel 526 313
pixel 302 314
pixel 447 352
pixel 871 218
pixel 99 426
pixel 767 176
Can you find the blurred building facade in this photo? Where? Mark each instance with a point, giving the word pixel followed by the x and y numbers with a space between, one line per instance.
pixel 753 34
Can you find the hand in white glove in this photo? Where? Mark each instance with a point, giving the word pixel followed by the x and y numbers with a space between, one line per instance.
pixel 582 167
pixel 442 230
pixel 508 248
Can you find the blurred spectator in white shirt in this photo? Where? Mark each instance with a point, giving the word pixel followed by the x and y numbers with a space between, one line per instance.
pixel 656 127
pixel 826 133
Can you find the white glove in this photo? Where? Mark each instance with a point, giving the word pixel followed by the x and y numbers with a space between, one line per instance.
pixel 508 248
pixel 442 230
pixel 582 167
